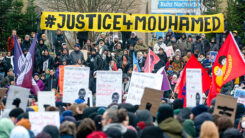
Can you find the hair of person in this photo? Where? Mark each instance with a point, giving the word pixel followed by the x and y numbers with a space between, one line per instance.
pixel 122 115
pixel 221 58
pixel 224 122
pixel 112 114
pixel 68 127
pixel 73 108
pixel 86 124
pixel 209 130
pixel 52 108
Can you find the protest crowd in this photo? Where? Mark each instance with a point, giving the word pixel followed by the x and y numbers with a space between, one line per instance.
pixel 118 120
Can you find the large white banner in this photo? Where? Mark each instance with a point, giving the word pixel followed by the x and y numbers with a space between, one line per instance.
pixel 193 87
pixel 17 92
pixel 76 83
pixel 39 120
pixel 108 87
pixel 138 83
pixel 45 98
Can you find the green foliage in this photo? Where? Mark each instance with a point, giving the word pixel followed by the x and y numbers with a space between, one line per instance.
pixel 14 18
pixel 236 16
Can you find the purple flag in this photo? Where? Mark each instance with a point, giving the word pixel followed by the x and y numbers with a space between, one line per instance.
pixel 165 82
pixel 24 65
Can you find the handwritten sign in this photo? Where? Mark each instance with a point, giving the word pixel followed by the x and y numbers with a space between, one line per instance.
pixel 226 105
pixel 75 79
pixel 108 87
pixel 17 92
pixel 39 120
pixel 45 98
pixel 169 51
pixel 139 82
pixel 193 87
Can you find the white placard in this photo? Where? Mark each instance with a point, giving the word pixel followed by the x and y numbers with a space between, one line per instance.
pixel 45 98
pixel 75 79
pixel 193 87
pixel 39 120
pixel 17 92
pixel 108 87
pixel 138 83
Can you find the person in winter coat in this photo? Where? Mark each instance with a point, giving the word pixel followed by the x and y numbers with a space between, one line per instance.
pixel 133 39
pixel 213 45
pixel 140 59
pixel 205 42
pixel 238 39
pixel 3 66
pixel 197 45
pixel 94 61
pixel 241 125
pixel 119 51
pixel 76 55
pixel 46 42
pixel 182 44
pixel 39 82
pixel 59 39
pixel 154 40
pixel 51 82
pixel 26 44
pixel 159 45
pixel 10 41
pixel 111 120
pixel 6 126
pixel 140 46
pixel 65 57
pixel 47 61
pixel 9 60
pixel 167 123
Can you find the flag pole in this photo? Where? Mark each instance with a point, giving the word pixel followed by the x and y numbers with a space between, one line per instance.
pixel 149 59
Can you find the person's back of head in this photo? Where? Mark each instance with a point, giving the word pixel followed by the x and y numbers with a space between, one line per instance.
pixel 68 128
pixel 85 127
pixel 198 121
pixel 209 130
pixel 110 116
pixel 19 132
pixel 232 133
pixel 52 131
pixel 164 111
pixel 223 123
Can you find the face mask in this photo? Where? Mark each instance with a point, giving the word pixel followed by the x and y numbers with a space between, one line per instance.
pixel 171 100
pixel 243 124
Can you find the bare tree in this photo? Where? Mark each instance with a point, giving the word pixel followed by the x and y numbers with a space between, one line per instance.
pixel 86 6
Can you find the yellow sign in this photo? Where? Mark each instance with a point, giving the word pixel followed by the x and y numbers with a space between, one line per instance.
pixel 113 22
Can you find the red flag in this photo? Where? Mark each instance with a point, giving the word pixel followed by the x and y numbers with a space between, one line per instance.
pixel 229 64
pixel 181 87
pixel 114 67
pixel 151 60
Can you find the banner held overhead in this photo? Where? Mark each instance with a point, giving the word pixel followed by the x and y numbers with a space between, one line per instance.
pixel 113 22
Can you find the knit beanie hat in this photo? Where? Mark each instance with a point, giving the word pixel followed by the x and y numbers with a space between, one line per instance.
pixel 164 111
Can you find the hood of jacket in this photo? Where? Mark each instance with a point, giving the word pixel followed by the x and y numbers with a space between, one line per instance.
pixel 172 126
pixel 118 126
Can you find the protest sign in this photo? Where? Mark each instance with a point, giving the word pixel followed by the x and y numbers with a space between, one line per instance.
pixel 193 87
pixel 108 87
pixel 225 105
pixel 169 51
pixel 17 92
pixel 2 93
pixel 212 56
pixel 239 92
pixel 112 22
pixel 240 95
pixel 139 82
pixel 76 81
pixel 153 97
pixel 45 98
pixel 39 120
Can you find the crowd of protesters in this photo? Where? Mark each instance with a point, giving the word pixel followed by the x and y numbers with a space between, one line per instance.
pixel 120 120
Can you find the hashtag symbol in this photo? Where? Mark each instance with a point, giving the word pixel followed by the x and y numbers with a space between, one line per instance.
pixel 50 21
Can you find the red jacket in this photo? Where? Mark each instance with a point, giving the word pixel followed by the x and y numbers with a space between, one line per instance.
pixel 10 43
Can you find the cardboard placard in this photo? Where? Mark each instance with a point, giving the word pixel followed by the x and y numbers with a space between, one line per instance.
pixel 39 120
pixel 2 93
pixel 225 105
pixel 17 92
pixel 45 98
pixel 152 96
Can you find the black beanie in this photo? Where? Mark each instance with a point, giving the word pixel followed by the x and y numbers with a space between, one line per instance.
pixel 15 112
pixel 164 111
pixel 198 37
pixel 178 104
